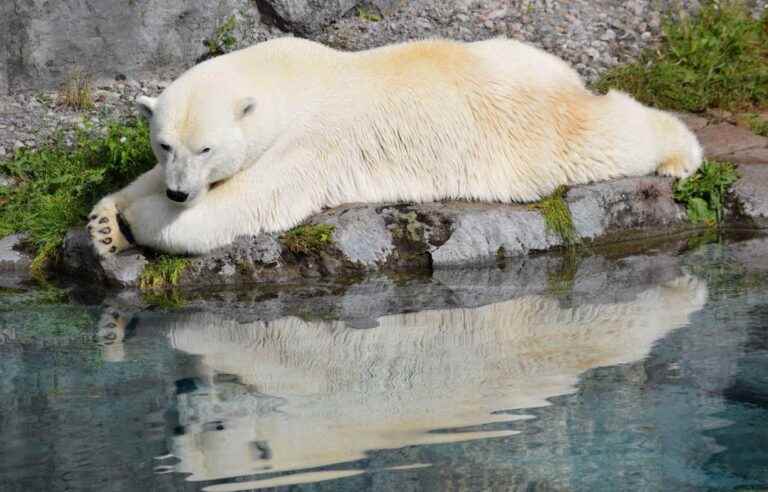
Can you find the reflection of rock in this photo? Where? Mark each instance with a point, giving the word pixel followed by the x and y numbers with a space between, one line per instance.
pixel 290 394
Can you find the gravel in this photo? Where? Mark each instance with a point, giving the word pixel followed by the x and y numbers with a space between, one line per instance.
pixel 591 35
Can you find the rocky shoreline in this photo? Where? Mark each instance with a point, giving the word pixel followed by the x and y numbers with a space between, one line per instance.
pixel 423 238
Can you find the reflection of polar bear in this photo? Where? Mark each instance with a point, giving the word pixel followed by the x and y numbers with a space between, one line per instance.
pixel 259 139
pixel 290 394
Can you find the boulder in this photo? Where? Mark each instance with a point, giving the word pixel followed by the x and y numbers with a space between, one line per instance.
pixel 14 262
pixel 42 42
pixel 427 237
pixel 303 16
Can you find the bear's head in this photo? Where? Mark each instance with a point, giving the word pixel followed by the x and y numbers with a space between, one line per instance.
pixel 202 136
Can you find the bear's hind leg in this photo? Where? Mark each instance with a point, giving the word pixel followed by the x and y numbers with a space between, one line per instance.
pixel 682 154
pixel 676 165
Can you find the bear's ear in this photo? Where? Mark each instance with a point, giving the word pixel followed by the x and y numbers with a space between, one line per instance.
pixel 245 107
pixel 146 106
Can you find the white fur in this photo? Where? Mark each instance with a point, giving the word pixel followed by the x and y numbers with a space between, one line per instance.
pixel 318 393
pixel 294 126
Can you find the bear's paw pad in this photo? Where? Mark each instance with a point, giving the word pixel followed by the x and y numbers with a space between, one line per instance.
pixel 104 231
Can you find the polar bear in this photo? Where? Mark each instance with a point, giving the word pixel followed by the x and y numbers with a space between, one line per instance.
pixel 259 139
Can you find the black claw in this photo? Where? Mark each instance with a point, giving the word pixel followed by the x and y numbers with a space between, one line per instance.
pixel 107 240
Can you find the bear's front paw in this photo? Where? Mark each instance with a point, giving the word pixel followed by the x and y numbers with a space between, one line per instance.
pixel 104 229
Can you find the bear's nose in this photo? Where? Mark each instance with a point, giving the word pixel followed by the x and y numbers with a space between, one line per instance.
pixel 176 196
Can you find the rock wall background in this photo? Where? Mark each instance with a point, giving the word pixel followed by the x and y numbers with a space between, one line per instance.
pixel 42 41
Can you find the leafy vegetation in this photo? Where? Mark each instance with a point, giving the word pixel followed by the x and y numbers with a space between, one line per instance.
pixel 716 59
pixel 704 193
pixel 163 272
pixel 223 39
pixel 58 184
pixel 557 216
pixel 758 124
pixel 306 239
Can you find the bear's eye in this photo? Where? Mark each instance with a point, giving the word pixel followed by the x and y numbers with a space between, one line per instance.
pixel 205 150
pixel 165 147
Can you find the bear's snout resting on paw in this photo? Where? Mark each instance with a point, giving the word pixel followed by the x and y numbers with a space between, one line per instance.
pixel 260 139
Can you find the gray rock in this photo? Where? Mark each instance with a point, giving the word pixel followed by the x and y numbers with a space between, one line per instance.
pixel 623 205
pixel 107 37
pixel 79 260
pixel 360 234
pixel 728 142
pixel 482 233
pixel 124 269
pixel 14 262
pixel 304 16
pixel 750 193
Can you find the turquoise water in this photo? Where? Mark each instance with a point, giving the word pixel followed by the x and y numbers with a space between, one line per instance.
pixel 644 373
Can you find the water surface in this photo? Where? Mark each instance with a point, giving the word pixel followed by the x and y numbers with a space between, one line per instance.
pixel 644 373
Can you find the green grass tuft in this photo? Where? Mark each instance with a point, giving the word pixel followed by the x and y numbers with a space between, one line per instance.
pixel 704 193
pixel 307 239
pixel 163 273
pixel 557 216
pixel 368 14
pixel 758 124
pixel 716 59
pixel 57 185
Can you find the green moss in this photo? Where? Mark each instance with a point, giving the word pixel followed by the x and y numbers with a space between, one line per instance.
pixel 57 185
pixel 557 216
pixel 307 239
pixel 716 59
pixel 704 193
pixel 162 273
pixel 369 14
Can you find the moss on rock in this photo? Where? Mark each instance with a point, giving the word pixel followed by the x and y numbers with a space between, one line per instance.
pixel 308 239
pixel 163 272
pixel 557 216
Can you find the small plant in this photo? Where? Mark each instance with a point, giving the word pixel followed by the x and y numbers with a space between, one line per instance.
pixel 704 193
pixel 162 273
pixel 368 14
pixel 716 59
pixel 557 216
pixel 758 124
pixel 223 39
pixel 57 185
pixel 306 239
pixel 76 91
